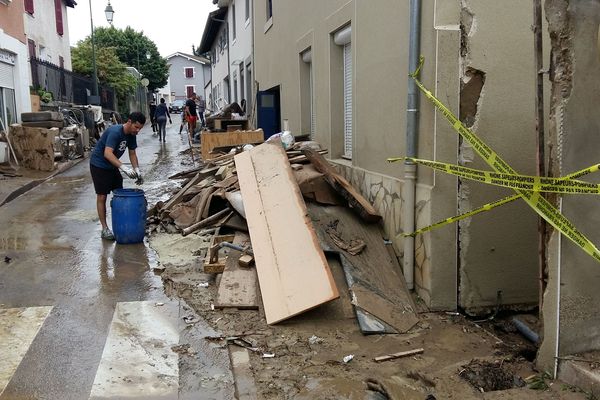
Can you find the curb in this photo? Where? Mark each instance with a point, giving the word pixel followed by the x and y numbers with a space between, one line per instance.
pixel 30 185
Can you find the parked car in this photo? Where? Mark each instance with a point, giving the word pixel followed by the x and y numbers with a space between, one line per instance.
pixel 177 106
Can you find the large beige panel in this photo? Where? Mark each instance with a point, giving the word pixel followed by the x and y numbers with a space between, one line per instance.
pixel 499 248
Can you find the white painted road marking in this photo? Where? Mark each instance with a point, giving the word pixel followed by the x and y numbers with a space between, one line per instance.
pixel 137 361
pixel 18 328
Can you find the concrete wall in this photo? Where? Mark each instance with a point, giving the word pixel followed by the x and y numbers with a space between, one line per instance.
pixel 497 250
pixel 575 123
pixel 41 28
pixel 177 80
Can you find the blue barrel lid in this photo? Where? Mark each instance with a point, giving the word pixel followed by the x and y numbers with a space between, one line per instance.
pixel 128 192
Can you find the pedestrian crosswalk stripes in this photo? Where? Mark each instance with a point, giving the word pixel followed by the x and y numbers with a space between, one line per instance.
pixel 18 329
pixel 138 360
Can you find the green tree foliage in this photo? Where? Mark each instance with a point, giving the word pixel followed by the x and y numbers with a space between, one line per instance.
pixel 111 70
pixel 131 47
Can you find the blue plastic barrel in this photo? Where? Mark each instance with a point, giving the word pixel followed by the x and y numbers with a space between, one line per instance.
pixel 128 215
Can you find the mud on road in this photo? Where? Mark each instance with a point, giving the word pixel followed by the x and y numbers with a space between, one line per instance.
pixel 461 359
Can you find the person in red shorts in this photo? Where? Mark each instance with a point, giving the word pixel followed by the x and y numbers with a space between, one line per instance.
pixel 191 114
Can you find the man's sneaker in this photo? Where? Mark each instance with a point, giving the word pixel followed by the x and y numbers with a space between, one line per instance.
pixel 107 234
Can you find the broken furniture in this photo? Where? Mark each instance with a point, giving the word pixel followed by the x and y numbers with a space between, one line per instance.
pixel 211 140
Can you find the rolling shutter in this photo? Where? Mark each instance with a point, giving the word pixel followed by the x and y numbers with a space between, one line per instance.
pixel 6 76
pixel 348 100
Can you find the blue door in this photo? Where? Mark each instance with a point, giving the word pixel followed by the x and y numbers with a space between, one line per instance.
pixel 268 112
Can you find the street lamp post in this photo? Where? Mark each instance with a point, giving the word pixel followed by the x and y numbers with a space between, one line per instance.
pixel 109 12
pixel 94 98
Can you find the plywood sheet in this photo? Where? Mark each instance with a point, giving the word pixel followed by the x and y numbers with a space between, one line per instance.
pixel 237 287
pixel 374 277
pixel 292 270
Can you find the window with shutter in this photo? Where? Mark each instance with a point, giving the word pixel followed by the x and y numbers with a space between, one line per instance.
pixel 31 46
pixel 189 72
pixel 29 6
pixel 59 18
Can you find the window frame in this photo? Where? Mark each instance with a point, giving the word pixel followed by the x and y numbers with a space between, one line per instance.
pixel 29 7
pixel 185 72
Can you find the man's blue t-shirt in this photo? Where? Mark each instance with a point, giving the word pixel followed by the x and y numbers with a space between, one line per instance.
pixel 115 138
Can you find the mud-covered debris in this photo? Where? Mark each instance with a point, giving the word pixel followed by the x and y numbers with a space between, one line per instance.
pixel 348 358
pixel 490 376
pixel 184 349
pixel 314 339
pixel 7 259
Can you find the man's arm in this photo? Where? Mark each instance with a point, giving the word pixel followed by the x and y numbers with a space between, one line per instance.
pixel 111 158
pixel 133 158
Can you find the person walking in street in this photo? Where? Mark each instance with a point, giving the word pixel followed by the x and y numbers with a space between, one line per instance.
pixel 191 114
pixel 105 164
pixel 152 108
pixel 161 115
pixel 201 109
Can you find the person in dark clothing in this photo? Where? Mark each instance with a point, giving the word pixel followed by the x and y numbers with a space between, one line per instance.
pixel 161 114
pixel 191 114
pixel 152 108
pixel 201 109
pixel 105 164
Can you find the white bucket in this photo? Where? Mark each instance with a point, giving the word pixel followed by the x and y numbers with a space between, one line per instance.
pixel 3 152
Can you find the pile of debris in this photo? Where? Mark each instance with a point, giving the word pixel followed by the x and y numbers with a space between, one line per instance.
pixel 254 202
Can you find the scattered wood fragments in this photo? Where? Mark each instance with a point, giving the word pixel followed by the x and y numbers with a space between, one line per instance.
pixel 259 194
pixel 398 355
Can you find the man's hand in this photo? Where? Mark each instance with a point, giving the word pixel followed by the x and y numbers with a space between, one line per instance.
pixel 128 171
pixel 140 179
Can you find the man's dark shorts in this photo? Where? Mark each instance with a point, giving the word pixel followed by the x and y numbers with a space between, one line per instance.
pixel 106 180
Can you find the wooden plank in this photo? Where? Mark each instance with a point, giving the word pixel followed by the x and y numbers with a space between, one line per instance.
pixel 373 269
pixel 245 389
pixel 238 285
pixel 292 270
pixel 210 140
pixel 401 318
pixel 399 355
pixel 356 201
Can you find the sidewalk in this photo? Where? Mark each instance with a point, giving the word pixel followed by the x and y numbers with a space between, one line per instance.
pixel 12 187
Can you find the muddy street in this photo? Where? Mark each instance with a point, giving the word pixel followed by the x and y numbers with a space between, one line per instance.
pixel 83 318
pixel 65 294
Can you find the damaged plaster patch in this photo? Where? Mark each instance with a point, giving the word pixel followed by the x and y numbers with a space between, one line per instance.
pixel 467 27
pixel 561 38
pixel 470 95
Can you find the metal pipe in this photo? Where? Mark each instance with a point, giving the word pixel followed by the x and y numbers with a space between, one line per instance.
pixel 412 125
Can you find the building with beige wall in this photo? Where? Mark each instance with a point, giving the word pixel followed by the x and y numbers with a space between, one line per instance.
pixel 14 63
pixel 340 69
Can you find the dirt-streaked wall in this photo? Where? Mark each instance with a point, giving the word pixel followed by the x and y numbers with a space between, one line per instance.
pixel 574 128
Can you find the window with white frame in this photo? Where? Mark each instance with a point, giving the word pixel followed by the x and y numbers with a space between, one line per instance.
pixel 247 10
pixel 189 72
pixel 342 38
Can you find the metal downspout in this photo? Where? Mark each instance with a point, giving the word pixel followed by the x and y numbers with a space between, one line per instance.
pixel 412 125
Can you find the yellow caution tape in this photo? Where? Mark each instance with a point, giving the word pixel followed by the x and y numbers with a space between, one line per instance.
pixel 486 207
pixel 563 185
pixel 544 208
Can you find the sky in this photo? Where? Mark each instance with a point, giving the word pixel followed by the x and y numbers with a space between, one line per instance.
pixel 174 25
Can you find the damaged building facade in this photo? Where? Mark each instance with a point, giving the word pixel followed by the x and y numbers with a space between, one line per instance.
pixel 339 72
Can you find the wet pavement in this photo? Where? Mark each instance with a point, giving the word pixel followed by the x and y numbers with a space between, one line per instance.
pixel 56 260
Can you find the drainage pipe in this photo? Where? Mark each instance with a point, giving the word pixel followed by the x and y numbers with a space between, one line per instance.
pixel 412 125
